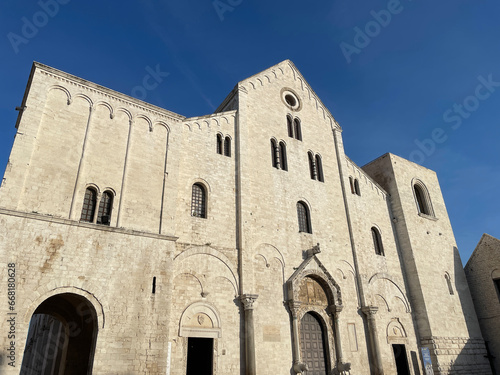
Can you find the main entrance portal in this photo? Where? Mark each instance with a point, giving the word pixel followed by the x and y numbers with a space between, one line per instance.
pixel 312 343
pixel 200 356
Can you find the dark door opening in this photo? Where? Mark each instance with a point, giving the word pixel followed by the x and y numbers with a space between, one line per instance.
pixel 401 359
pixel 312 342
pixel 200 356
pixel 61 337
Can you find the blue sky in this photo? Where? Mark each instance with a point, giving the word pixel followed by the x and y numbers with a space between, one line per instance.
pixel 420 79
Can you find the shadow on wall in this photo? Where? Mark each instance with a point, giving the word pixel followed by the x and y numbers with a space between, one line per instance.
pixel 473 356
pixel 464 295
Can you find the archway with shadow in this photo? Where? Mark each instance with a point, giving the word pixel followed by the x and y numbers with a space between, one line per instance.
pixel 61 337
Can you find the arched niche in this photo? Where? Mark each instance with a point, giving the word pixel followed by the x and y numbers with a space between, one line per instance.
pixel 200 319
pixel 396 332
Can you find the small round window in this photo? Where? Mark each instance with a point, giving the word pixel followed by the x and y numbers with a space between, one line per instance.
pixel 290 99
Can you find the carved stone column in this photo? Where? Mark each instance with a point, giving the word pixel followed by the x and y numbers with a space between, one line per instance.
pixel 377 368
pixel 335 312
pixel 298 366
pixel 248 300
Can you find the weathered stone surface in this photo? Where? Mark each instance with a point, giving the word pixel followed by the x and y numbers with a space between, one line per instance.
pixel 159 276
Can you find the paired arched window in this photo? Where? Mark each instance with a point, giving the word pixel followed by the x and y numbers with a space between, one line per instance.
pixel 223 145
pixel 90 205
pixel 283 162
pixel 303 218
pixel 105 205
pixel 278 155
pixel 422 198
pixel 199 201
pixel 219 144
pixel 354 186
pixel 274 154
pixel 289 125
pixel 315 167
pixel 227 146
pixel 293 127
pixel 377 241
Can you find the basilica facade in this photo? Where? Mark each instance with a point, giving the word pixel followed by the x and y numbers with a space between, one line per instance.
pixel 244 241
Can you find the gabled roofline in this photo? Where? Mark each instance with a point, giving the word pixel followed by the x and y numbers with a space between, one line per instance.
pixel 475 252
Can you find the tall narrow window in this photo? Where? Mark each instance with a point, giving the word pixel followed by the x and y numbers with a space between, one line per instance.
pixel 356 187
pixel 351 182
pixel 219 144
pixel 105 207
pixel 227 146
pixel 298 130
pixel 303 217
pixel 319 169
pixel 283 162
pixel 274 156
pixel 89 203
pixel 199 201
pixel 497 287
pixel 377 241
pixel 289 126
pixel 312 169
pixel 448 282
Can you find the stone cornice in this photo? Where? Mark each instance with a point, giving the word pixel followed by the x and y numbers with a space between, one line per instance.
pixel 104 228
pixel 106 92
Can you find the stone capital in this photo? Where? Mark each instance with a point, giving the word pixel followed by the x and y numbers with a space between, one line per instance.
pixel 335 309
pixel 294 307
pixel 248 300
pixel 369 311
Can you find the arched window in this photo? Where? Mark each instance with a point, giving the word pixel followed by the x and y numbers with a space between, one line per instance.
pixel 105 207
pixel 298 131
pixel 227 146
pixel 356 187
pixel 289 126
pixel 319 169
pixel 283 162
pixel 422 199
pixel 274 154
pixel 89 204
pixel 303 217
pixel 199 201
pixel 377 241
pixel 219 144
pixel 312 169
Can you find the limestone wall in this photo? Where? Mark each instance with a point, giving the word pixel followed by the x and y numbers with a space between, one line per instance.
pixel 481 270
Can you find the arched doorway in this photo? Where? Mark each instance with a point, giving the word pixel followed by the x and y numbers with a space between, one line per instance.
pixel 61 338
pixel 314 299
pixel 312 344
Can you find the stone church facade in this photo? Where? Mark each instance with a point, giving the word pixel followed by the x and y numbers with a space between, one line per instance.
pixel 245 241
